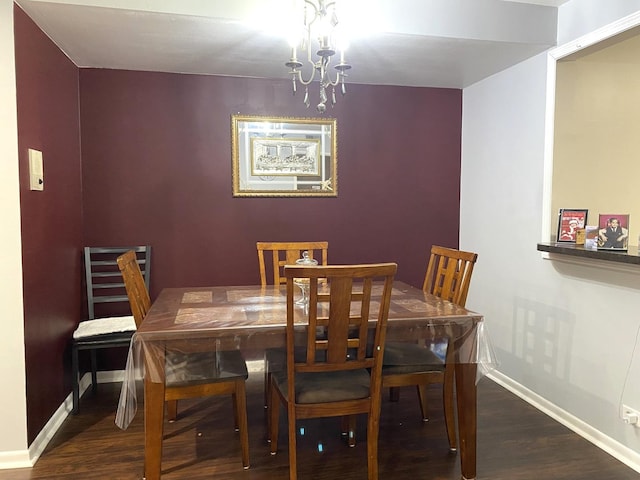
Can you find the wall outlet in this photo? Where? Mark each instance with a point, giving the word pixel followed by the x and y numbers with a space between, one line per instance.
pixel 630 416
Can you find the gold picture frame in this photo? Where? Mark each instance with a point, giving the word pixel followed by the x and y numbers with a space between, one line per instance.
pixel 284 156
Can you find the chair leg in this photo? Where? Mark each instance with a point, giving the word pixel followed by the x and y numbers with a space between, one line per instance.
pixel 274 420
pixel 236 417
pixel 94 371
pixel 293 461
pixel 348 429
pixel 372 447
pixel 266 381
pixel 422 398
pixel 172 410
pixel 449 408
pixel 75 381
pixel 267 403
pixel 240 412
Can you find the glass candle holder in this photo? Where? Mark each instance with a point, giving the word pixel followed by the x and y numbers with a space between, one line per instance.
pixel 303 283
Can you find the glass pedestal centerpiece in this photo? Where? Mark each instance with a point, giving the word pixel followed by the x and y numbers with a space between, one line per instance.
pixel 303 283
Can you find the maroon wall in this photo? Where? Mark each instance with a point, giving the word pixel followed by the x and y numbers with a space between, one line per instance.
pixel 156 156
pixel 47 101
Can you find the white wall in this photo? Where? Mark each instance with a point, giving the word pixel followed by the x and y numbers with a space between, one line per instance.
pixel 563 332
pixel 580 17
pixel 13 415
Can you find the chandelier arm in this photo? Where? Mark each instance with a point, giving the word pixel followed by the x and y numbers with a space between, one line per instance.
pixel 335 82
pixel 315 9
pixel 302 80
pixel 297 73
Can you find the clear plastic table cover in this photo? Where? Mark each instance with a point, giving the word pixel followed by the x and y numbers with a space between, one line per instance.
pixel 213 319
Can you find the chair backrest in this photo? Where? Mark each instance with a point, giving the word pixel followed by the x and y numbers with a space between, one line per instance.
pixel 134 284
pixel 286 253
pixel 103 278
pixel 449 274
pixel 341 307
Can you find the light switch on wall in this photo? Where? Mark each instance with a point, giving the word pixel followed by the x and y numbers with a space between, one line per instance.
pixel 36 173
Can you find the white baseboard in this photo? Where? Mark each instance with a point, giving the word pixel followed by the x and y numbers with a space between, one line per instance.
pixel 111 376
pixel 15 459
pixel 614 448
pixel 255 366
pixel 28 458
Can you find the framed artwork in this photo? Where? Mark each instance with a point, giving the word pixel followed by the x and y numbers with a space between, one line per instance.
pixel 287 156
pixel 613 231
pixel 570 220
pixel 283 156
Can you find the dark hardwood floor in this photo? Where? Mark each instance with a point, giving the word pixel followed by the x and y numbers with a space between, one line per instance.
pixel 515 442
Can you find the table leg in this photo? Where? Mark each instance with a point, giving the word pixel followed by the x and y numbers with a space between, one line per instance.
pixel 153 423
pixel 467 417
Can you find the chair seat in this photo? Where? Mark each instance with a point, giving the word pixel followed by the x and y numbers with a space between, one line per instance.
pixel 103 326
pixel 325 387
pixel 204 367
pixel 410 354
pixel 401 369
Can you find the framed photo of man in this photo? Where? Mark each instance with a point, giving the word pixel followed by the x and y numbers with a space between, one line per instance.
pixel 570 220
pixel 613 231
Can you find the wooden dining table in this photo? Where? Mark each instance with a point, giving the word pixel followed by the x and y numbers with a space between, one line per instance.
pixel 254 318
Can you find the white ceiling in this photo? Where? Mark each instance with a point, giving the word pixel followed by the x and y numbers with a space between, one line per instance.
pixel 438 43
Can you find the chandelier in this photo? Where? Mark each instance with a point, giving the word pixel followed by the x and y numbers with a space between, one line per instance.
pixel 320 32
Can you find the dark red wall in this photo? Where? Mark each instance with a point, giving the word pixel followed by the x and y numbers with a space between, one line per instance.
pixel 156 152
pixel 48 120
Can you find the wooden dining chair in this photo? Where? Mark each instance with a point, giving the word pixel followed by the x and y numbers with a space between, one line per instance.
pixel 282 253
pixel 286 253
pixel 411 364
pixel 339 375
pixel 197 374
pixel 105 294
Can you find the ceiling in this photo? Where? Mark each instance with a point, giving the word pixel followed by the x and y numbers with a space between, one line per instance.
pixel 435 43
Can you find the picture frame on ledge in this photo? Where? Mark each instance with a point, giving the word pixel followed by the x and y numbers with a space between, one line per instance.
pixel 570 220
pixel 591 237
pixel 613 231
